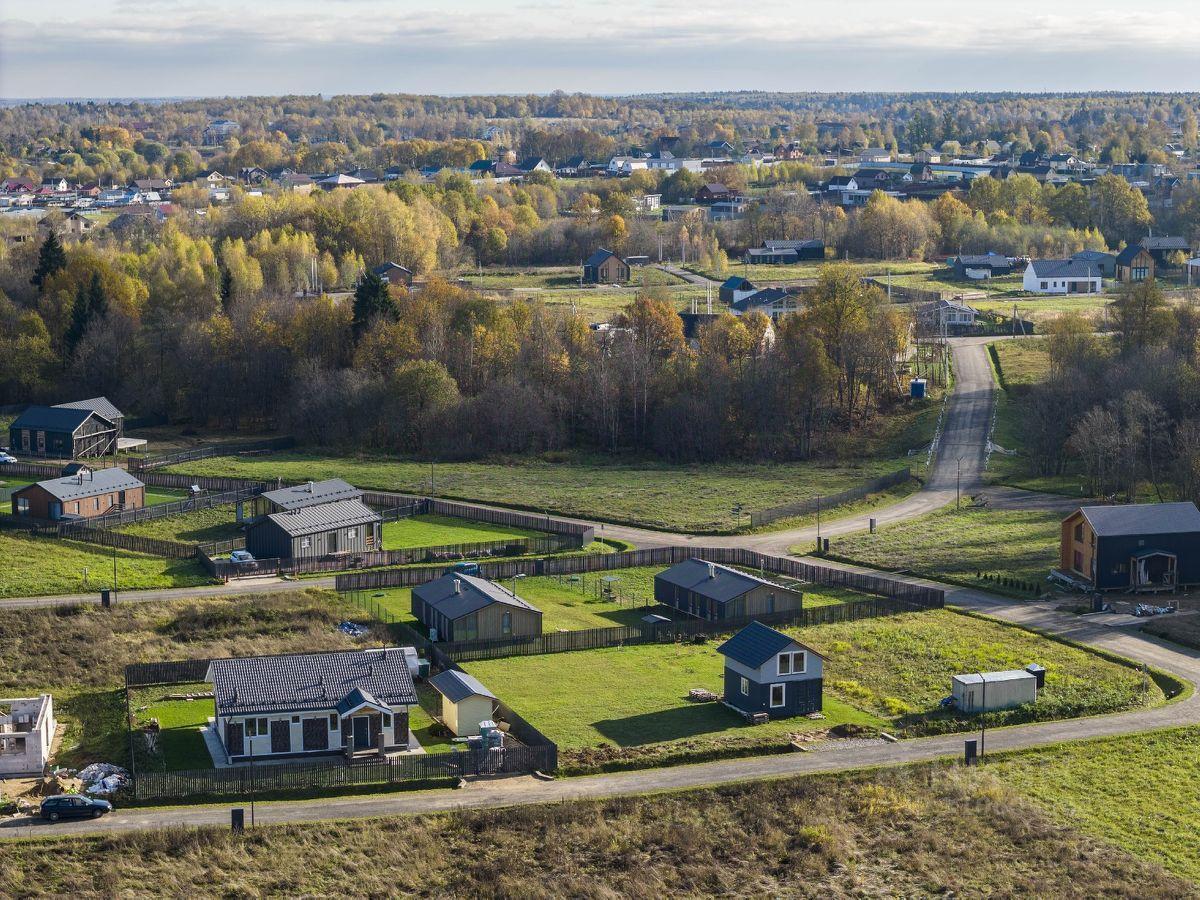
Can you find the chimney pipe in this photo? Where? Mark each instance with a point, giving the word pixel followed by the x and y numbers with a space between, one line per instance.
pixel 712 570
pixel 457 586
pixel 310 487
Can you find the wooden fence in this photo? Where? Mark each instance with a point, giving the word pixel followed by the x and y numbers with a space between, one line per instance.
pixel 669 632
pixel 270 777
pixel 175 671
pixel 239 448
pixel 73 531
pixel 42 471
pixel 174 508
pixel 815 504
pixel 803 570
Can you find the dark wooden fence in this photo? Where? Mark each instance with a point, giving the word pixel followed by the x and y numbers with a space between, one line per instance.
pixel 669 632
pixel 161 460
pixel 73 531
pixel 815 504
pixel 803 570
pixel 270 777
pixel 175 671
pixel 221 568
pixel 174 508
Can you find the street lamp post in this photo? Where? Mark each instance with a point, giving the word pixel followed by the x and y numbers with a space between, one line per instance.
pixel 119 507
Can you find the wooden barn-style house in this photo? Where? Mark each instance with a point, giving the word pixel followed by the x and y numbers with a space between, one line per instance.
pixel 83 494
pixel 718 593
pixel 1139 547
pixel 68 431
pixel 458 607
pixel 313 704
pixel 605 267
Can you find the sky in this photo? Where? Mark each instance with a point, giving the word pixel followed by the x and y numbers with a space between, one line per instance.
pixel 172 48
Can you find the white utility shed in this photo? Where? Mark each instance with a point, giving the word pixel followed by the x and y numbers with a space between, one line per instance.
pixel 987 691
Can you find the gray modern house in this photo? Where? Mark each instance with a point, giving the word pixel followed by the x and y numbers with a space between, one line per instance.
pixel 312 704
pixel 718 593
pixel 459 607
pixel 768 672
pixel 309 532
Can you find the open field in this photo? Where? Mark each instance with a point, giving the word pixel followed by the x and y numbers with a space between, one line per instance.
pixel 696 498
pixel 217 523
pixel 1038 308
pixel 438 531
pixel 808 271
pixel 1140 792
pixel 1022 362
pixel 41 565
pixel 962 544
pixel 554 277
pixel 79 653
pixel 576 602
pixel 874 834
pixel 889 671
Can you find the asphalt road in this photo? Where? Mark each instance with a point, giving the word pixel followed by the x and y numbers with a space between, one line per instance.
pixel 529 790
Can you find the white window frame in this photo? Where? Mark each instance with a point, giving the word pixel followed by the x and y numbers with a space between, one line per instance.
pixel 744 684
pixel 782 686
pixel 305 543
pixel 789 656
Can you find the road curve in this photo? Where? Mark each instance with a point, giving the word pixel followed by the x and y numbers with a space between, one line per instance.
pixel 522 791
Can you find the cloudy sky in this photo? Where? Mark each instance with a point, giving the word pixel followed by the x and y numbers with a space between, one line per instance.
pixel 154 48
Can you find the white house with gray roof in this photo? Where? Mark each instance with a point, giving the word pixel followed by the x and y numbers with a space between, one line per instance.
pixel 458 607
pixel 313 704
pixel 1062 276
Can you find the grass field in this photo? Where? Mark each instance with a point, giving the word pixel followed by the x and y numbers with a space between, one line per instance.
pixel 32 566
pixel 808 271
pixel 439 531
pixel 891 670
pixel 1041 308
pixel 79 653
pixel 696 498
pixel 910 833
pixel 960 544
pixel 215 524
pixel 576 602
pixel 1140 793
pixel 1022 362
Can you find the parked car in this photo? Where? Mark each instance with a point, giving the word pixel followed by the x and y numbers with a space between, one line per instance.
pixel 241 556
pixel 463 568
pixel 6 458
pixel 73 806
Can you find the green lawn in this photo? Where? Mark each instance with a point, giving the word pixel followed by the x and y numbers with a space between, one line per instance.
pixel 154 496
pixel 1041 308
pixel 959 544
pixel 1022 362
pixel 695 498
pixel 38 565
pixel 889 672
pixel 577 602
pixel 808 271
pixel 635 696
pixel 1140 792
pixel 439 531
pixel 181 746
pixel 217 523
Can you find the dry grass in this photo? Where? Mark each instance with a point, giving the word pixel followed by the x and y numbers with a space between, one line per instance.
pixel 924 832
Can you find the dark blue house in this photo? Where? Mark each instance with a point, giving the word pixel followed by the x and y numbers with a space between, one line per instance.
pixel 1136 547
pixel 768 672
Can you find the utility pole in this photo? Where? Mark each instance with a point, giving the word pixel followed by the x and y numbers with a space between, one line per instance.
pixel 958 486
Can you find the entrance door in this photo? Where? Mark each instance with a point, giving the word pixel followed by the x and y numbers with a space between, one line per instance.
pixel 331 542
pixel 362 733
pixel 281 736
pixel 56 509
pixel 234 738
pixel 316 734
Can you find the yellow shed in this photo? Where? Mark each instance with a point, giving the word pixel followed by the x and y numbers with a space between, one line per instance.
pixel 465 701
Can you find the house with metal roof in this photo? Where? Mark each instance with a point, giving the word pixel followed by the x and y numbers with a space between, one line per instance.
pixel 63 432
pixel 1134 263
pixel 458 607
pixel 720 593
pixel 1162 247
pixel 1105 262
pixel 784 252
pixel 1136 547
pixel 605 267
pixel 394 273
pixel 734 288
pixel 310 493
pixel 1062 276
pixel 86 493
pixel 981 266
pixel 311 531
pixel 313 704
pixel 465 701
pixel 773 302
pixel 766 671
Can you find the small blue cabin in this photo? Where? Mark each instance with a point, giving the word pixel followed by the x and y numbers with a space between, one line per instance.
pixel 768 672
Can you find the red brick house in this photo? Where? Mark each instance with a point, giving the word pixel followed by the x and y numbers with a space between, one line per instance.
pixel 86 493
